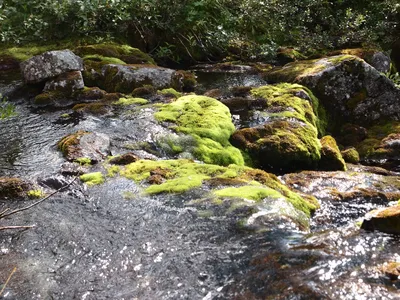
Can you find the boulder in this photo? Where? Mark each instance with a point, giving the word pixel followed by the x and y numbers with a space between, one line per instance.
pixel 85 147
pixel 349 88
pixel 383 219
pixel 126 78
pixel 282 127
pixel 351 155
pixel 50 64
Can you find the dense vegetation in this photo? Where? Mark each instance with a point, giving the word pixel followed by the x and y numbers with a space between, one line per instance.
pixel 199 28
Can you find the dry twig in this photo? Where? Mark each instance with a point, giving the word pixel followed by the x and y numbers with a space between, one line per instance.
pixel 16 227
pixel 8 279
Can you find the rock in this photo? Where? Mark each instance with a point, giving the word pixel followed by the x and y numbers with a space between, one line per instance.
pixel 204 126
pixel 55 182
pixel 391 269
pixel 80 145
pixel 126 78
pixel 349 88
pixel 50 64
pixel 383 219
pixel 351 134
pixel 331 158
pixel 258 201
pixel 351 155
pixel 124 159
pixel 13 188
pixel 357 184
pixel 66 83
pixel 380 61
pixel 282 133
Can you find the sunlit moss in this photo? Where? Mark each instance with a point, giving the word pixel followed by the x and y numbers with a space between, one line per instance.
pixel 130 101
pixel 209 122
pixel 35 194
pixel 249 192
pixel 83 160
pixel 92 178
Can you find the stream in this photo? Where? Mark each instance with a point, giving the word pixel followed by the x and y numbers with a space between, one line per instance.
pixel 95 243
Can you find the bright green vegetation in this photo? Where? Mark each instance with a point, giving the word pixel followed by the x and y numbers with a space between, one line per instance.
pixel 7 109
pixel 249 192
pixel 170 91
pixel 283 95
pixel 83 161
pixel 103 59
pixel 92 178
pixel 113 170
pixel 130 101
pixel 35 193
pixel 209 122
pixel 183 175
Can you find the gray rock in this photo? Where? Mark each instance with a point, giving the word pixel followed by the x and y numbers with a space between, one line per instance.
pixel 50 64
pixel 380 61
pixel 125 78
pixel 350 89
pixel 66 83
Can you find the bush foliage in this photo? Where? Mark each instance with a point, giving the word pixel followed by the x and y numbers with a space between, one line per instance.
pixel 195 28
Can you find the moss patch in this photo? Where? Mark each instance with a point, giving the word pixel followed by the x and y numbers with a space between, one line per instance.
pixel 210 124
pixel 68 144
pixel 92 178
pixel 170 92
pixel 249 192
pixel 83 161
pixel 351 155
pixel 331 158
pixel 35 194
pixel 130 101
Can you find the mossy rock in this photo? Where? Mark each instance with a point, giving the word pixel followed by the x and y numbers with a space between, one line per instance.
pixel 180 176
pixel 130 101
pixel 384 220
pixel 286 55
pixel 331 158
pixel 97 109
pixel 124 53
pixel 208 122
pixel 13 188
pixel 93 178
pixel 351 155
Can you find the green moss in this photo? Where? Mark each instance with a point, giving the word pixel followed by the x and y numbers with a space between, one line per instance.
pixel 170 91
pixel 249 192
pixel 97 108
pixel 130 101
pixel 125 53
pixel 67 143
pixel 113 170
pixel 103 60
pixel 83 161
pixel 35 194
pixel 331 158
pixel 351 156
pixel 210 124
pixel 285 97
pixel 295 71
pixel 47 98
pixel 92 178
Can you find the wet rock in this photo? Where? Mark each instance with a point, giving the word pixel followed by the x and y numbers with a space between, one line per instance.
pixel 346 186
pixel 124 159
pixel 55 182
pixel 282 133
pixel 351 134
pixel 97 109
pixel 349 88
pixel 266 204
pixel 384 219
pixel 13 188
pixel 331 158
pixel 73 169
pixel 85 145
pixel 50 64
pixel 391 270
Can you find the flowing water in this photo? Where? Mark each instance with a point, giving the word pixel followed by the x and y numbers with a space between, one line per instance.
pixel 94 243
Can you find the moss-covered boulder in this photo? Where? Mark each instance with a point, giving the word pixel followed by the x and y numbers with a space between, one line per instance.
pixel 384 219
pixel 248 195
pixel 208 123
pixel 14 188
pixel 124 53
pixel 85 146
pixel 283 128
pixel 349 88
pixel 351 155
pixel 331 158
pixel 286 55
